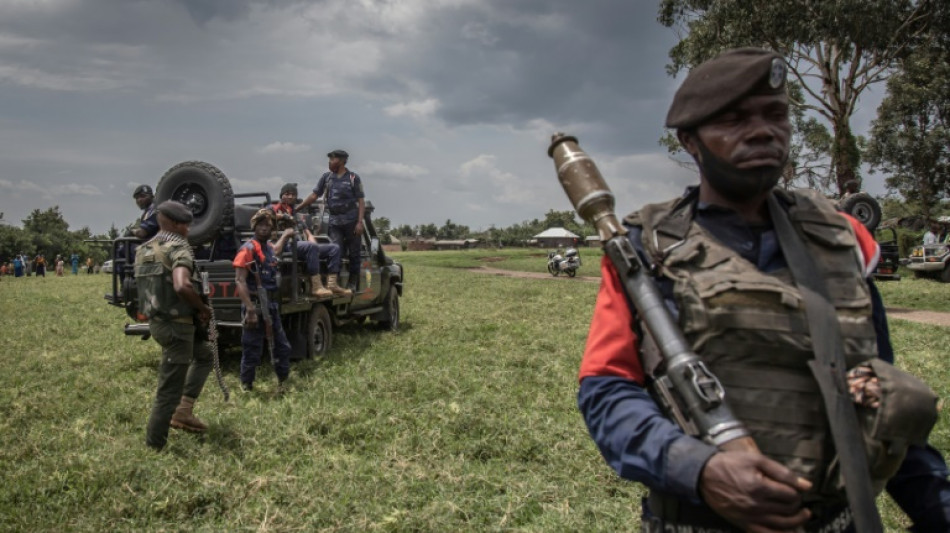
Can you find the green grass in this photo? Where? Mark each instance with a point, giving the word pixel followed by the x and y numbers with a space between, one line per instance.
pixel 463 421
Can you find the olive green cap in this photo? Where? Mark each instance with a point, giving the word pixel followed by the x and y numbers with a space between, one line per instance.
pixel 175 211
pixel 714 86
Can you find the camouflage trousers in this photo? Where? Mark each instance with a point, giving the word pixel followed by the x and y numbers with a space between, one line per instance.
pixel 183 371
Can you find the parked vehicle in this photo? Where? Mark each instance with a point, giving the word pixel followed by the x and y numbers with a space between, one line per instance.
pixel 890 256
pixel 567 264
pixel 220 226
pixel 107 267
pixel 931 261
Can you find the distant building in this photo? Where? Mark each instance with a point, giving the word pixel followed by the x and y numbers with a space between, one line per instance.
pixel 556 237
pixel 592 241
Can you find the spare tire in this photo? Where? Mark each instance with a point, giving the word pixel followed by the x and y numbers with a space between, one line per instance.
pixel 206 191
pixel 863 207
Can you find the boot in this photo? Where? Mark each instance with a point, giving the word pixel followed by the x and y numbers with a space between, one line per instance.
pixel 185 419
pixel 337 290
pixel 317 290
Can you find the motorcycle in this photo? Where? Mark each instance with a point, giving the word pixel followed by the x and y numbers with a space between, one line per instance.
pixel 568 263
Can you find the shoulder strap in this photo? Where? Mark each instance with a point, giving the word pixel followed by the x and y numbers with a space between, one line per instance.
pixel 828 367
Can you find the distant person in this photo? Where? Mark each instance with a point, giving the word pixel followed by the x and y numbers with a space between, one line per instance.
pixel 27 264
pixel 74 261
pixel 256 260
pixel 166 279
pixel 40 262
pixel 308 249
pixel 345 202
pixel 59 265
pixel 89 265
pixel 17 266
pixel 932 234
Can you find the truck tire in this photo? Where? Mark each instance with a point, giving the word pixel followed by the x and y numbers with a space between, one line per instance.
pixel 206 191
pixel 945 274
pixel 863 207
pixel 319 331
pixel 390 317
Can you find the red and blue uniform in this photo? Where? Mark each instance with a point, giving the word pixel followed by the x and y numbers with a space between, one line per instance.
pixel 252 256
pixel 641 444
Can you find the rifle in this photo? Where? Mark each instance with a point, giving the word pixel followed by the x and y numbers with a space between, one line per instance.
pixel 265 312
pixel 685 388
pixel 212 336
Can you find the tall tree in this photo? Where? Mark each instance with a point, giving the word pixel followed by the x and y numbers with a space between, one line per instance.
pixel 835 49
pixel 911 135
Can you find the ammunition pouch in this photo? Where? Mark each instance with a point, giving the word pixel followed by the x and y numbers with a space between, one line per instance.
pixel 907 414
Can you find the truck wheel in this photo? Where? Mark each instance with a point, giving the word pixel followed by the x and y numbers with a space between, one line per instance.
pixel 945 274
pixel 864 208
pixel 206 191
pixel 390 318
pixel 319 331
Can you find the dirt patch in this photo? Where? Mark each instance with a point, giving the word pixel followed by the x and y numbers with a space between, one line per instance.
pixel 493 259
pixel 935 318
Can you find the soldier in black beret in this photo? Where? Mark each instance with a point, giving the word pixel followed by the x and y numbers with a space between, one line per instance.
pixel 147 222
pixel 728 256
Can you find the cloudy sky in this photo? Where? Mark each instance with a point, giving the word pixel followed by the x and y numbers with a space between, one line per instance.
pixel 445 106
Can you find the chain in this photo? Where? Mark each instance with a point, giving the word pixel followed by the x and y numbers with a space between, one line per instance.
pixel 213 341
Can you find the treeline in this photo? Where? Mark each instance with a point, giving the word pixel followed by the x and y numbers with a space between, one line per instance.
pixel 514 235
pixel 47 232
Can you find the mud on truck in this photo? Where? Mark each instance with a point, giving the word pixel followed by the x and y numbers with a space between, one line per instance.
pixel 221 223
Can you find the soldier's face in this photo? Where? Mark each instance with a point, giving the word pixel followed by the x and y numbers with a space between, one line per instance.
pixel 263 229
pixel 288 198
pixel 742 152
pixel 335 165
pixel 143 201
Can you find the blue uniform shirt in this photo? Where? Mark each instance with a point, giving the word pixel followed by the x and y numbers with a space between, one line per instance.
pixel 342 200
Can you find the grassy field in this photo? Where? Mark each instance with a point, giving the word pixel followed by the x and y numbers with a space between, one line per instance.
pixel 465 420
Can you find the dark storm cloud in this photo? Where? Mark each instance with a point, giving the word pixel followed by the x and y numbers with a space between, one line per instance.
pixel 599 62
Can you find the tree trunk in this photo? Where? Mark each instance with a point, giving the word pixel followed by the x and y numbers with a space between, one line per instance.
pixel 844 154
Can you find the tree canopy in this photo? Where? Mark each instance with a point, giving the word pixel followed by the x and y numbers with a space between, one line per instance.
pixel 835 50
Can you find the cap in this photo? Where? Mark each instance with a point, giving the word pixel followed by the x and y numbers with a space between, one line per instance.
pixel 719 83
pixel 288 187
pixel 263 213
pixel 339 153
pixel 175 211
pixel 142 190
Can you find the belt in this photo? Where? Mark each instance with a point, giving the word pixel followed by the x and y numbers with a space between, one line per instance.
pixel 837 523
pixel 340 210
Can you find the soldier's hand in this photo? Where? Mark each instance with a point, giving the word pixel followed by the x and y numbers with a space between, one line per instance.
pixel 754 492
pixel 204 315
pixel 289 232
pixel 250 318
pixel 359 228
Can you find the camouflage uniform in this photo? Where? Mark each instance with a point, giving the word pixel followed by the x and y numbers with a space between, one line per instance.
pixel 186 362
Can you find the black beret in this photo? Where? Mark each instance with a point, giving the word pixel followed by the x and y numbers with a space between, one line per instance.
pixel 721 82
pixel 142 189
pixel 289 187
pixel 175 211
pixel 339 153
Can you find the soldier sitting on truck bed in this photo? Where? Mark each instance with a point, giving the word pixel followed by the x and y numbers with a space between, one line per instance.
pixel 309 250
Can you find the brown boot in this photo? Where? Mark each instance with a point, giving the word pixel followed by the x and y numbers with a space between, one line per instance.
pixel 185 419
pixel 337 290
pixel 317 290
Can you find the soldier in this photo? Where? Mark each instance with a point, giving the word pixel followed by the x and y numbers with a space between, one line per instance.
pixel 148 221
pixel 256 270
pixel 728 273
pixel 166 279
pixel 344 190
pixel 310 251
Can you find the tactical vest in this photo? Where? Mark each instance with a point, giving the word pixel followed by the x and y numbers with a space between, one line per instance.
pixel 153 278
pixel 341 197
pixel 750 327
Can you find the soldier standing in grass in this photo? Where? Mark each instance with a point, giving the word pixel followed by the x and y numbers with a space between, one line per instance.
pixel 345 202
pixel 257 259
pixel 727 257
pixel 166 279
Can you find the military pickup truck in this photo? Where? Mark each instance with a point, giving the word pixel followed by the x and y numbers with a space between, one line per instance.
pixel 221 223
